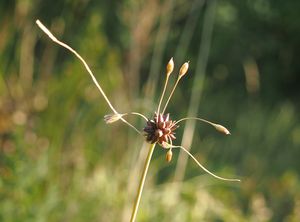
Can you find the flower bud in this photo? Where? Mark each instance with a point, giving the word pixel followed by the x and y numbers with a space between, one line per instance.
pixel 111 118
pixel 169 155
pixel 170 67
pixel 183 70
pixel 221 129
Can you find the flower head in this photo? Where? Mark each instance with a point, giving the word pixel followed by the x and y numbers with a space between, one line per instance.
pixel 160 129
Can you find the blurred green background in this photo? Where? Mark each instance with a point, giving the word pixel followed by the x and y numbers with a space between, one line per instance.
pixel 59 161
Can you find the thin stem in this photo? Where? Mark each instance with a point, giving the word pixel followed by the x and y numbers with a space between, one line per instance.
pixel 162 95
pixel 195 118
pixel 174 87
pixel 218 127
pixel 139 114
pixel 203 168
pixel 54 39
pixel 132 126
pixel 141 184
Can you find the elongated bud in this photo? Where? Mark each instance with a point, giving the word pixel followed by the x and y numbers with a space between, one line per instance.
pixel 170 67
pixel 169 155
pixel 183 70
pixel 111 118
pixel 222 129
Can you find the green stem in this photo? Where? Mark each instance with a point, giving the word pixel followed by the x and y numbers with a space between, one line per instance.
pixel 141 184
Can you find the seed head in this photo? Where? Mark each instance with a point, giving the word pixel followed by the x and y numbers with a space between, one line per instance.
pixel 170 67
pixel 183 70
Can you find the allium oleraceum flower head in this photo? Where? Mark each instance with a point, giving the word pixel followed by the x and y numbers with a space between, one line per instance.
pixel 160 129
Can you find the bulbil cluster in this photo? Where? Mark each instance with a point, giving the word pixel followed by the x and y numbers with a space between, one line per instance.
pixel 160 129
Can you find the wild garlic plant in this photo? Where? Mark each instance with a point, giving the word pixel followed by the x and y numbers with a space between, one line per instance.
pixel 160 129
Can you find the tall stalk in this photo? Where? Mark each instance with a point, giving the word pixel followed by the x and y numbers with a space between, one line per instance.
pixel 142 182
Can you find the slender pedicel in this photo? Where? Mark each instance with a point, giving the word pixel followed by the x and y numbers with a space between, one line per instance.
pixel 169 70
pixel 111 118
pixel 183 70
pixel 54 39
pixel 139 114
pixel 218 127
pixel 169 154
pixel 201 166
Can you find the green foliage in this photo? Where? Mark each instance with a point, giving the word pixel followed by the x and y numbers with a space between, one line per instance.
pixel 59 161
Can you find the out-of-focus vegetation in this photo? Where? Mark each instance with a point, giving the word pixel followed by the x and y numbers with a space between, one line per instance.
pixel 60 162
